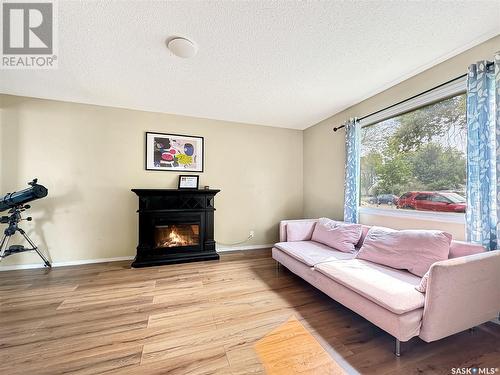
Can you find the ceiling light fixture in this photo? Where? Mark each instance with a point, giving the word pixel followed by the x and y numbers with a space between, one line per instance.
pixel 182 47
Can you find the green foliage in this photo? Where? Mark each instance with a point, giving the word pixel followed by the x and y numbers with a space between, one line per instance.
pixel 370 165
pixel 421 126
pixel 394 175
pixel 418 150
pixel 438 168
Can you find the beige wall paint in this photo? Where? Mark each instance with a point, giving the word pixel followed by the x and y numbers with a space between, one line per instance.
pixel 324 150
pixel 90 157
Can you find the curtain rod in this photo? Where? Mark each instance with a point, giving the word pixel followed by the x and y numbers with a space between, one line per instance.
pixel 405 100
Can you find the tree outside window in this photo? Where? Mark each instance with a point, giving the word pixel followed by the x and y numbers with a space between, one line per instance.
pixel 419 152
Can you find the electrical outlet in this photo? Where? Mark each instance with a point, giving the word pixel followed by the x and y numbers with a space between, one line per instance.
pixel 252 233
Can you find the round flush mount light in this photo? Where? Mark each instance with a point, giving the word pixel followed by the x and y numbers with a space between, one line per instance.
pixel 182 47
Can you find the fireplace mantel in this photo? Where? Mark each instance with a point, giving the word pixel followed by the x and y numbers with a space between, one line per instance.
pixel 161 208
pixel 175 191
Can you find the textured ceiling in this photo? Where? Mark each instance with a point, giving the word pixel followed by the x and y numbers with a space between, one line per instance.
pixel 278 63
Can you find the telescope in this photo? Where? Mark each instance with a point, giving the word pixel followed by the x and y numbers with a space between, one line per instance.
pixel 16 204
pixel 19 198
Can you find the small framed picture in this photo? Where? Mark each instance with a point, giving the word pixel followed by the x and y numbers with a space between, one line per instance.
pixel 174 152
pixel 188 181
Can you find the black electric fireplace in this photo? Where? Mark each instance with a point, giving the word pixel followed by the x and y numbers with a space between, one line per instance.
pixel 175 226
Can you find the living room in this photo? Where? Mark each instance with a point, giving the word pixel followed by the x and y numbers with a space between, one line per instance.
pixel 249 187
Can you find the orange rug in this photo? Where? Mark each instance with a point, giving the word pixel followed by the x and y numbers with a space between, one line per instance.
pixel 291 349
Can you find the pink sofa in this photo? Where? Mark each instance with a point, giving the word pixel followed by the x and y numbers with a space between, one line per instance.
pixel 462 292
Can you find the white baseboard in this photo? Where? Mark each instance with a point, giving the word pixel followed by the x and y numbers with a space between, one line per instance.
pixel 62 264
pixel 240 248
pixel 105 260
pixel 20 267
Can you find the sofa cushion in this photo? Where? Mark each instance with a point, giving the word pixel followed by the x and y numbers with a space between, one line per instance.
pixel 299 231
pixel 422 287
pixel 310 252
pixel 364 232
pixel 412 250
pixel 338 235
pixel 390 288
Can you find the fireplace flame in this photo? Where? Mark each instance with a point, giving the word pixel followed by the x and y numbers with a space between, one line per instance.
pixel 173 237
pixel 176 239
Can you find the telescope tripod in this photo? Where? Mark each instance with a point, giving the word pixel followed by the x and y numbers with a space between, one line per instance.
pixel 13 221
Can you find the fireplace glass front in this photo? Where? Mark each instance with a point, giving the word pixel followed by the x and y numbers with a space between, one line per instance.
pixel 176 235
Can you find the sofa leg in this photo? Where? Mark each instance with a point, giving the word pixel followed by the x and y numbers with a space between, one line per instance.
pixel 397 350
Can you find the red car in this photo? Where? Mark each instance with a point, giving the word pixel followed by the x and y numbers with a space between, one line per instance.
pixel 432 201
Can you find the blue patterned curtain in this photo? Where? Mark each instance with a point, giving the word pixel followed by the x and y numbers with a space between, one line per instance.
pixel 483 153
pixel 352 172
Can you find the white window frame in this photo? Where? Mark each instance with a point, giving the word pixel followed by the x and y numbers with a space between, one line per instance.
pixel 448 217
pixel 453 88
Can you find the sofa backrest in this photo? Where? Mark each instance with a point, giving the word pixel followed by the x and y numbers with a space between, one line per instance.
pixel 283 226
pixel 461 248
pixel 457 248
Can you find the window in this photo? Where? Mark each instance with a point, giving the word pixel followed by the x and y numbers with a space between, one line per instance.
pixel 418 158
pixel 438 198
pixel 422 197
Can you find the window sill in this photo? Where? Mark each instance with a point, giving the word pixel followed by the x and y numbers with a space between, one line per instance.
pixel 448 217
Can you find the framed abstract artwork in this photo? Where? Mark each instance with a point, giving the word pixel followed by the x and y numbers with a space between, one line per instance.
pixel 174 152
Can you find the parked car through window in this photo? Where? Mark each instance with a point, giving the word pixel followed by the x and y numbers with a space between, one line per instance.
pixel 432 201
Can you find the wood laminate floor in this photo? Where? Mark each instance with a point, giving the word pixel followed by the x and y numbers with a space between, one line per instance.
pixel 291 349
pixel 197 318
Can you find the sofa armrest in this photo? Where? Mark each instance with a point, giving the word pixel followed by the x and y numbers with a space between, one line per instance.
pixel 283 226
pixel 461 293
pixel 462 248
